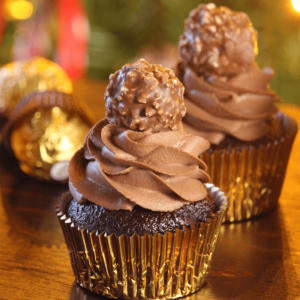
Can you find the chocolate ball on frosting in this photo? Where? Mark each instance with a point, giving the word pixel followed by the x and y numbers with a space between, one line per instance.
pixel 142 96
pixel 217 40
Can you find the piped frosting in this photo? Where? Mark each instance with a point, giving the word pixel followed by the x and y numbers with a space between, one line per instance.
pixel 155 166
pixel 226 94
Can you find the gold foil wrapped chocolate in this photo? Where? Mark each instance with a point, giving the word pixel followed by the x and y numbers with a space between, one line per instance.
pixel 252 178
pixel 142 267
pixel 46 128
pixel 20 78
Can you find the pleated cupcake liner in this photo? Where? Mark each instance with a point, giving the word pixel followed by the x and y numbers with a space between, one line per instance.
pixel 252 178
pixel 165 266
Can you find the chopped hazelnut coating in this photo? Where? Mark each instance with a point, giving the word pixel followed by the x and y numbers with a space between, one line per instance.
pixel 142 96
pixel 219 41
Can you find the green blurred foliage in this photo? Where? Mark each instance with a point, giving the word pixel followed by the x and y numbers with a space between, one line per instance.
pixel 7 44
pixel 120 29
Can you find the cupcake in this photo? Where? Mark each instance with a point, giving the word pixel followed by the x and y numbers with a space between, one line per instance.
pixel 140 220
pixel 229 103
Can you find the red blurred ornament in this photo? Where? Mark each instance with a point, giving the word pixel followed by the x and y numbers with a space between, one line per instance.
pixel 2 19
pixel 72 37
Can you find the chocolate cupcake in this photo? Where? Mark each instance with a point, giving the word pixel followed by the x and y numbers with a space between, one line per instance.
pixel 140 222
pixel 229 103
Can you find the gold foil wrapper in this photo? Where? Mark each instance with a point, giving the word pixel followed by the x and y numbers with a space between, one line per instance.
pixel 142 267
pixel 20 78
pixel 252 178
pixel 46 128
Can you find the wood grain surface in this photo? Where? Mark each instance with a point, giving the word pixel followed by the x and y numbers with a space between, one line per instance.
pixel 258 259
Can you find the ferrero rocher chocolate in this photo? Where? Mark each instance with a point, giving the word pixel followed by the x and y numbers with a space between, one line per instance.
pixel 46 128
pixel 20 78
pixel 217 40
pixel 142 96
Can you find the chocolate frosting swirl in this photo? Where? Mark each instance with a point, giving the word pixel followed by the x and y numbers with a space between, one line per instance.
pixel 241 106
pixel 119 168
pixel 225 91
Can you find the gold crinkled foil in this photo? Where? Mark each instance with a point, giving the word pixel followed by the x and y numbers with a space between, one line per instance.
pixel 252 178
pixel 47 128
pixel 149 267
pixel 20 78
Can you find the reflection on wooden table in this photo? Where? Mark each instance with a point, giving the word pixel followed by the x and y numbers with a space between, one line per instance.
pixel 259 259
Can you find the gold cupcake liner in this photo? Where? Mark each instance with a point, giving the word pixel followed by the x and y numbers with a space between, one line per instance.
pixel 148 267
pixel 252 178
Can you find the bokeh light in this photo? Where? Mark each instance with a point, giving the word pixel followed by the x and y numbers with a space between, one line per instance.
pixel 296 5
pixel 19 9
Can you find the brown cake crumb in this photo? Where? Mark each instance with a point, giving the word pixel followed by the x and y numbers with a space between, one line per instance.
pixel 140 221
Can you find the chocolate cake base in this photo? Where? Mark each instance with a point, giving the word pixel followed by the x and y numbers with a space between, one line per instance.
pixel 140 221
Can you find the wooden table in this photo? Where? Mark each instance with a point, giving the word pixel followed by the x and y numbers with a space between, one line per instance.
pixel 259 259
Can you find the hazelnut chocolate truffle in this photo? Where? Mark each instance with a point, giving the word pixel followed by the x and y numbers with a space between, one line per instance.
pixel 230 104
pixel 217 40
pixel 40 132
pixel 142 97
pixel 138 191
pixel 21 78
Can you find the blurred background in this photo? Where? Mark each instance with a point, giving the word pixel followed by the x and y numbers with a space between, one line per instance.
pixel 93 38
